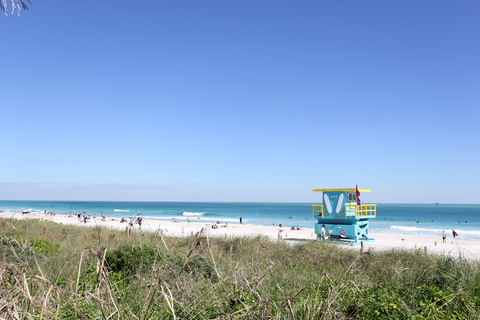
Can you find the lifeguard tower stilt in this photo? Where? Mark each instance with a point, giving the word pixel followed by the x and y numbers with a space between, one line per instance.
pixel 345 219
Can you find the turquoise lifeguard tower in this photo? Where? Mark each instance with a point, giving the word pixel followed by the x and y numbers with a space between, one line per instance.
pixel 346 220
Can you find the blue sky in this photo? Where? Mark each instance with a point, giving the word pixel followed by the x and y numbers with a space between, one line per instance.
pixel 241 100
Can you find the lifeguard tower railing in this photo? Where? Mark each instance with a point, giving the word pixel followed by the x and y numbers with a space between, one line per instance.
pixel 351 210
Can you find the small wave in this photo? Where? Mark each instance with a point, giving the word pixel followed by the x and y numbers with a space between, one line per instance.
pixel 229 220
pixel 420 231
pixel 192 213
pixel 34 211
pixel 161 218
pixel 468 232
pixel 119 210
pixel 415 229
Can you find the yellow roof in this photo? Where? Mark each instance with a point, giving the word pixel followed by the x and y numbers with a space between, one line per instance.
pixel 346 189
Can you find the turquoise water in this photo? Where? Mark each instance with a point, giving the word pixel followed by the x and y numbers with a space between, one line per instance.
pixel 404 219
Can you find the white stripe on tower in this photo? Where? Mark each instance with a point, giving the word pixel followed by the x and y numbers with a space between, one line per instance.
pixel 339 203
pixel 327 203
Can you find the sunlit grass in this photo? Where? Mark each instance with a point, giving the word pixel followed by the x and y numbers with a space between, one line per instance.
pixel 98 273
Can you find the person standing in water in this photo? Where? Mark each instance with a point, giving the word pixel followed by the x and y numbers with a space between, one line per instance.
pixel 241 220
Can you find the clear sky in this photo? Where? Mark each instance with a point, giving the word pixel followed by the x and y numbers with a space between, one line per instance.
pixel 241 100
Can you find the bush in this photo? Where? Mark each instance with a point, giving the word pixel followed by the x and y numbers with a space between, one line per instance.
pixel 44 246
pixel 198 265
pixel 133 259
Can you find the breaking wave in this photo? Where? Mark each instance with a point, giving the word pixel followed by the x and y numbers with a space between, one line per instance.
pixel 192 213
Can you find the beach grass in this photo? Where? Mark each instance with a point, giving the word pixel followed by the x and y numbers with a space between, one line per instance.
pixel 53 271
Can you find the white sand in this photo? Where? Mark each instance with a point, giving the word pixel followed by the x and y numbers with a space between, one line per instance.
pixel 469 249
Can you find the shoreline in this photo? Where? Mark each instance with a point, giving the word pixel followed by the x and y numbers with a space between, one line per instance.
pixel 455 248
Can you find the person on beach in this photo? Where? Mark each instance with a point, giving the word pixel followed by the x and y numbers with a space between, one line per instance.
pixel 444 237
pixel 455 234
pixel 280 230
pixel 322 234
pixel 139 221
pixel 241 220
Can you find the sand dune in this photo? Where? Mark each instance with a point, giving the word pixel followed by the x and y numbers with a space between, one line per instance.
pixel 469 249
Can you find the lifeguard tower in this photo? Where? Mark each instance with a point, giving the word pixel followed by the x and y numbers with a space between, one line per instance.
pixel 346 220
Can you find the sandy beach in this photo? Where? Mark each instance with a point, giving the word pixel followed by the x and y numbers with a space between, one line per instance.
pixel 469 249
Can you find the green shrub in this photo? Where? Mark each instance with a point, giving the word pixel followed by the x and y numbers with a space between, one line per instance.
pixel 199 266
pixel 133 259
pixel 44 246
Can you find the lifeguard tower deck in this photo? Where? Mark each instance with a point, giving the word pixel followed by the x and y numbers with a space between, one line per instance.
pixel 345 219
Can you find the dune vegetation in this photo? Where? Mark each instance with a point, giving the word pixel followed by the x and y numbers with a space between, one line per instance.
pixel 52 271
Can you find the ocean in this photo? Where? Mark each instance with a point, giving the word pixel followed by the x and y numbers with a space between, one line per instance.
pixel 404 219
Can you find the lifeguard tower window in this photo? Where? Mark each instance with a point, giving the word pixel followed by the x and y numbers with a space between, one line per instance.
pixel 352 197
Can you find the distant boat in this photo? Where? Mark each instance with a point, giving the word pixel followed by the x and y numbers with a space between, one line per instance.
pixel 26 211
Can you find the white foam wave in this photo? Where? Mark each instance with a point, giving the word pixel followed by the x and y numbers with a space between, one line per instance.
pixel 414 229
pixel 469 232
pixel 192 213
pixel 119 210
pixel 420 230
pixel 222 220
pixel 162 218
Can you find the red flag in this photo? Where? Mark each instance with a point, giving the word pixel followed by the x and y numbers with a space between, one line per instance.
pixel 358 195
